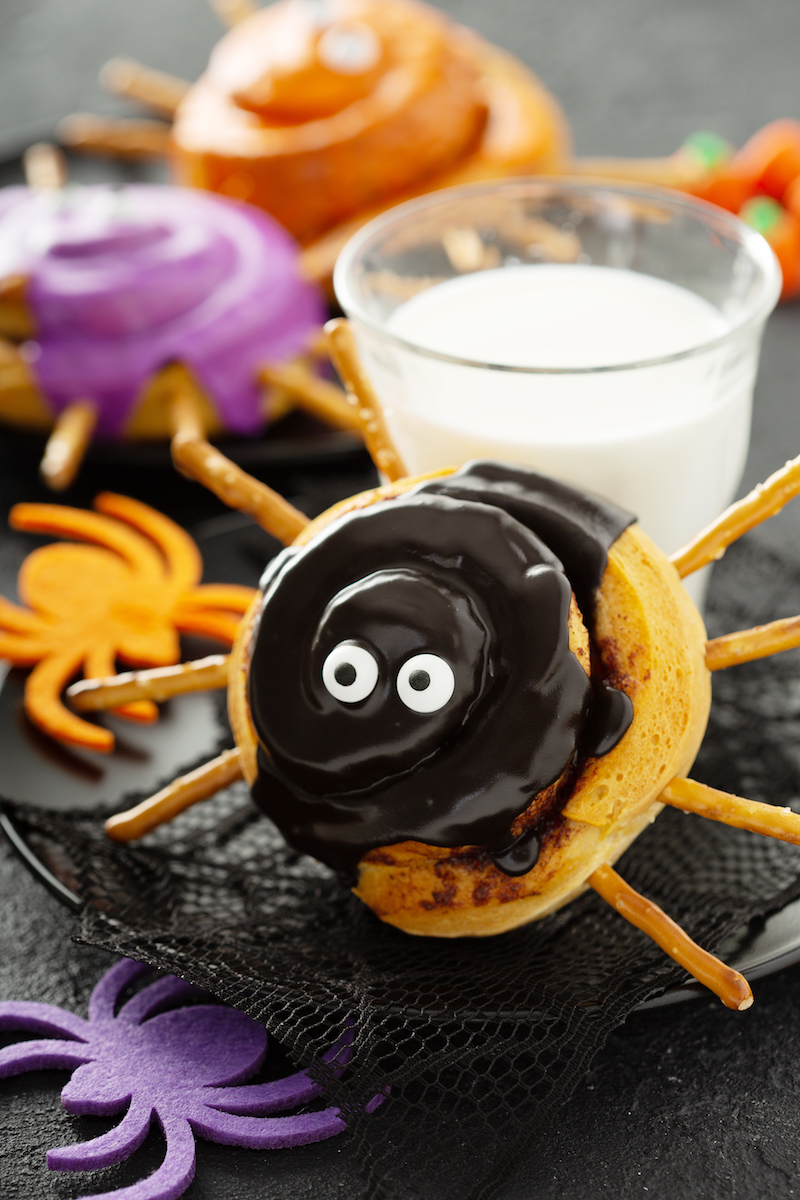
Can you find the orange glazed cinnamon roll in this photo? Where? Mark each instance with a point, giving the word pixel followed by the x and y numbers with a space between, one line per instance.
pixel 319 112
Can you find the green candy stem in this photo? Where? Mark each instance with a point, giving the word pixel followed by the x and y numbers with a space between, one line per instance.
pixel 709 149
pixel 763 214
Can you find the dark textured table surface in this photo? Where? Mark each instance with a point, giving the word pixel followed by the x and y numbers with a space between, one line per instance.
pixel 691 1101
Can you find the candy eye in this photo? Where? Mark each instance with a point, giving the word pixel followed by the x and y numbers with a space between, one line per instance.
pixel 349 673
pixel 425 683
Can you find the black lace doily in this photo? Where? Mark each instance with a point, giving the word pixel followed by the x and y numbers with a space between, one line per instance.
pixel 475 1041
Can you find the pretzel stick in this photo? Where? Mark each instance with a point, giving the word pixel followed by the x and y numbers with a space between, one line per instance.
pixel 157 90
pixel 318 345
pixel 361 393
pixel 764 501
pixel 185 791
pixel 114 135
pixel 185 415
pixel 158 684
pixel 747 644
pixel 767 819
pixel 731 987
pixel 677 171
pixel 45 167
pixel 198 459
pixel 68 444
pixel 316 395
pixel 233 12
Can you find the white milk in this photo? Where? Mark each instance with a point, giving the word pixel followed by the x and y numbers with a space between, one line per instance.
pixel 666 441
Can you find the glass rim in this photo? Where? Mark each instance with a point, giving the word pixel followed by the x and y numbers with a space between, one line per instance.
pixel 707 214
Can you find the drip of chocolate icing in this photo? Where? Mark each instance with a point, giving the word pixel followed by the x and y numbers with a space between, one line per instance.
pixel 122 281
pixel 453 569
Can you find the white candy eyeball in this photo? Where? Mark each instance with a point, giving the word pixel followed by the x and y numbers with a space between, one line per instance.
pixel 349 48
pixel 425 683
pixel 349 673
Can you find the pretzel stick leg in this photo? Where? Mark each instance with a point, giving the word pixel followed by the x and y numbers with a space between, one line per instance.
pixel 316 395
pixel 186 418
pixel 174 799
pixel 763 502
pixel 45 167
pixel 125 77
pixel 197 459
pixel 748 644
pixel 676 171
pixel 233 12
pixel 67 444
pixel 767 819
pixel 731 987
pixel 114 135
pixel 376 435
pixel 159 684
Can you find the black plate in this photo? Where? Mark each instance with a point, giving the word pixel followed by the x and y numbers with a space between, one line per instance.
pixel 296 440
pixel 39 772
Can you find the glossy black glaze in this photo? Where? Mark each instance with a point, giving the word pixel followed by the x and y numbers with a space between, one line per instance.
pixel 577 526
pixel 454 568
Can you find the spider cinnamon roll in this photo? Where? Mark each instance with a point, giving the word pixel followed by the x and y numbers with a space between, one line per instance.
pixel 420 671
pixel 108 287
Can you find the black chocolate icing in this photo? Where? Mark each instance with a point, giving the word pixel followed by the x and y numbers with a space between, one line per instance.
pixel 455 568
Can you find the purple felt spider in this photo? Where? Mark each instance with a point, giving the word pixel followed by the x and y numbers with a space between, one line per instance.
pixel 178 1065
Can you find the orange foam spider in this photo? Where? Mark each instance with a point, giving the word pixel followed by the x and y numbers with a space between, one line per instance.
pixel 127 595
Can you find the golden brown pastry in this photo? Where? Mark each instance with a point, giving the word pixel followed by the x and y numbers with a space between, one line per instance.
pixel 411 704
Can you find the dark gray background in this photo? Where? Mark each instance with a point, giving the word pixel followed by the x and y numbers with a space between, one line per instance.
pixel 689 1102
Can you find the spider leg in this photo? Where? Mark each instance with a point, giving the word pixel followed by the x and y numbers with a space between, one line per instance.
pixel 14 619
pixel 23 651
pixel 43 705
pixel 767 819
pixel 67 444
pixel 748 644
pixel 126 137
pixel 232 12
pixel 100 664
pixel 41 1054
pixel 100 530
pixel 204 674
pixel 185 791
pixel 34 1017
pixel 107 991
pixel 231 597
pixel 258 1099
pixel 198 459
pixel 763 502
pixel 731 987
pixel 222 627
pixel 318 396
pixel 45 167
pixel 266 1133
pixel 109 1148
pixel 184 564
pixel 169 991
pixel 168 1182
pixel 155 89
pixel 384 454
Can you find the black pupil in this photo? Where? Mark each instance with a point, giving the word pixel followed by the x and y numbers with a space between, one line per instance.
pixel 418 680
pixel 345 674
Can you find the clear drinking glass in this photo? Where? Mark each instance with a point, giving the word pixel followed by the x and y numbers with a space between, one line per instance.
pixel 664 436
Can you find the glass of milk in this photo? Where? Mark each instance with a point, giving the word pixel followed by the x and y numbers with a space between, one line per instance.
pixel 605 335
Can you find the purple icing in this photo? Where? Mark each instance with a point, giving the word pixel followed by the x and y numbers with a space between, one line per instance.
pixel 185 1067
pixel 122 281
